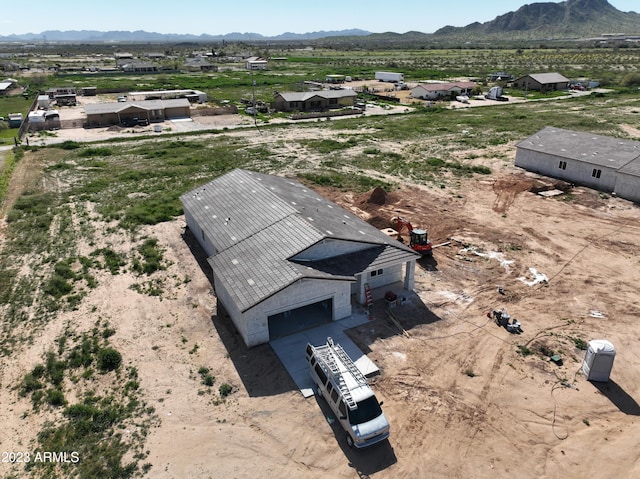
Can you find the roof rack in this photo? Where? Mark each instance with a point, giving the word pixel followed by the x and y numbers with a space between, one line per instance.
pixel 330 354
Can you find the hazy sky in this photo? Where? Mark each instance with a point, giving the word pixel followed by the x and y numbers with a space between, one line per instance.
pixel 267 17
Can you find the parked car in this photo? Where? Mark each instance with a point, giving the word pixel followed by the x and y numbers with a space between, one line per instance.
pixel 348 393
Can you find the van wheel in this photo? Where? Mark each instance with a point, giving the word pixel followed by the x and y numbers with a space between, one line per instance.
pixel 349 441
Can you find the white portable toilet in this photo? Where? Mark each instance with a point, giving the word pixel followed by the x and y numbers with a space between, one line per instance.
pixel 598 361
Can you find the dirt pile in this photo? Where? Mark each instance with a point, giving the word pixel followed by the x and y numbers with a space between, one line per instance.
pixel 378 196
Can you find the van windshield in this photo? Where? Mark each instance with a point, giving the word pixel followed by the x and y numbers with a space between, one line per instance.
pixel 367 410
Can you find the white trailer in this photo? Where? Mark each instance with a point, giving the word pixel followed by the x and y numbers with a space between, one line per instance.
pixel 390 77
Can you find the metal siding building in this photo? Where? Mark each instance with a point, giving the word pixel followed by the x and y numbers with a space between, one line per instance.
pixel 314 101
pixel 279 251
pixel 113 113
pixel 542 82
pixel 600 162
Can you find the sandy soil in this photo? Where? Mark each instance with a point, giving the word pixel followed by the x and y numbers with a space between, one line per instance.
pixel 461 399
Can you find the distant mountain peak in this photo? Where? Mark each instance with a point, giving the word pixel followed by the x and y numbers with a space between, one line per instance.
pixel 571 18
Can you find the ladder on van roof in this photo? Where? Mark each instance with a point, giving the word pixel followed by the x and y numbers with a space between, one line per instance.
pixel 329 354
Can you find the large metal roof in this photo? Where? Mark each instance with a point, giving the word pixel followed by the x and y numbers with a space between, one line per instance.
pixel 589 148
pixel 118 107
pixel 327 94
pixel 547 78
pixel 258 222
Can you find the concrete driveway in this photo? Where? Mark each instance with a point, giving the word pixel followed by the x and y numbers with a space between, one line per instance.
pixel 291 349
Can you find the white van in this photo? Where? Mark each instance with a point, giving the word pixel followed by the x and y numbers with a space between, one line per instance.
pixel 348 393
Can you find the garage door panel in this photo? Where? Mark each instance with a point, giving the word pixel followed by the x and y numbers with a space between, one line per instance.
pixel 299 319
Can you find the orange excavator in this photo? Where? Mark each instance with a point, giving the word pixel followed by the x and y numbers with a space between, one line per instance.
pixel 418 239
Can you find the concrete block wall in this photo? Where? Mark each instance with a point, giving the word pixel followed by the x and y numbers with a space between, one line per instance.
pixel 253 324
pixel 577 172
pixel 628 187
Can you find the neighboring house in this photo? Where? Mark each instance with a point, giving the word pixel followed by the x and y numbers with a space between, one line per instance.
pixel 315 100
pixel 600 162
pixel 199 64
pixel 6 85
pixel 334 78
pixel 256 63
pixel 58 91
pixel 542 82
pixel 154 55
pixel 66 100
pixel 194 96
pixel 438 91
pixel 500 76
pixel 89 91
pixel 283 257
pixel 9 66
pixel 139 67
pixel 116 113
pixel 123 56
pixel 63 96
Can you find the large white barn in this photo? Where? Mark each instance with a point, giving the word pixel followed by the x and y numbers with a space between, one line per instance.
pixel 601 162
pixel 284 258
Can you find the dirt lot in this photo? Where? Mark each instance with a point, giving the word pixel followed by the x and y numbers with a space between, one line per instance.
pixel 462 400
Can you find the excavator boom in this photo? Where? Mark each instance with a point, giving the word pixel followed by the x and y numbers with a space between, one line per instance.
pixel 418 239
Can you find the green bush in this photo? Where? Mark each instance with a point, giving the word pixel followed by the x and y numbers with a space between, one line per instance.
pixel 69 145
pixel 82 354
pixel 56 398
pixel 29 384
pixel 57 286
pixel 89 152
pixel 55 368
pixel 151 255
pixel 109 359
pixel 580 343
pixel 225 389
pixel 208 380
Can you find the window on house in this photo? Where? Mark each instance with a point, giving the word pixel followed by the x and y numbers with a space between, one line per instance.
pixel 596 173
pixel 562 165
pixel 377 272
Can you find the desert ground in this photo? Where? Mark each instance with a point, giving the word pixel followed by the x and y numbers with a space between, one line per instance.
pixel 463 398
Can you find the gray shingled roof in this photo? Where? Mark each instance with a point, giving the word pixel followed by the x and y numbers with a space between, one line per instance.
pixel 586 147
pixel 258 222
pixel 632 168
pixel 118 107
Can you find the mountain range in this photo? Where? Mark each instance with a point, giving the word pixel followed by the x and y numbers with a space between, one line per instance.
pixel 572 18
pixel 94 36
pixel 541 20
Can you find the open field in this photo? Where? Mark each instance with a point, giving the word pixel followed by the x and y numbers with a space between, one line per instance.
pixel 94 258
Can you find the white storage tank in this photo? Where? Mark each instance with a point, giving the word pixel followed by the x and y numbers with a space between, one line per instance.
pixel 598 361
